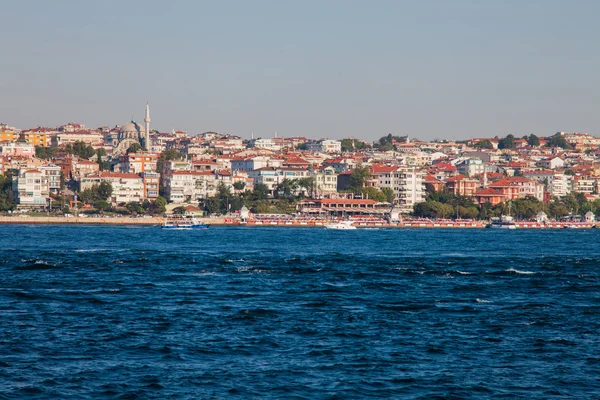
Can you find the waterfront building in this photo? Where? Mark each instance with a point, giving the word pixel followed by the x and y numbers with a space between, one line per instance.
pixel 30 188
pixel 182 186
pixel 341 207
pixel 126 187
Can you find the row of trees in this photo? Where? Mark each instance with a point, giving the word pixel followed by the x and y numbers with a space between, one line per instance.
pixel 447 205
pixel 256 200
pixel 508 142
pixel 78 148
pixel 155 207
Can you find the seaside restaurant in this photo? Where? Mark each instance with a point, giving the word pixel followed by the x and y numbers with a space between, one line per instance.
pixel 339 207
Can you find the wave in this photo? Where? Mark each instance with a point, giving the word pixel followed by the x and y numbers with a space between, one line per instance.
pixel 516 271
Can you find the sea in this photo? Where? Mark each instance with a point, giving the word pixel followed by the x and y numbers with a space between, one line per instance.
pixel 133 312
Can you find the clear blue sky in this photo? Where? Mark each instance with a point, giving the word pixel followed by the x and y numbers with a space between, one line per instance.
pixel 328 68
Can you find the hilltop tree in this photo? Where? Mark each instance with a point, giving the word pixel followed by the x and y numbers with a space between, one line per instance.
pixel 533 140
pixel 559 140
pixel 507 143
pixel 484 144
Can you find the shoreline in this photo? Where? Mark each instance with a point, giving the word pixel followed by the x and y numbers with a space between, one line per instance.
pixel 157 221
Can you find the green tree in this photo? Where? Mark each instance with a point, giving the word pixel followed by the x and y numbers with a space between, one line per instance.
pixel 179 210
pixel 349 144
pixel 373 194
pixel 286 188
pixel 358 178
pixel 308 183
pixel 239 185
pixel 261 191
pixel 134 148
pixel 484 144
pixel 533 140
pixel 7 200
pixel 507 143
pixel 558 140
pixel 390 197
pixel 83 150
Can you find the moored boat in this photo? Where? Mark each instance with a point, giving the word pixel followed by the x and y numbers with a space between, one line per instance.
pixel 504 222
pixel 184 223
pixel 340 225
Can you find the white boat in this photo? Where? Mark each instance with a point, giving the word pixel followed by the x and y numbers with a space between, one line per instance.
pixel 340 225
pixel 183 223
pixel 504 222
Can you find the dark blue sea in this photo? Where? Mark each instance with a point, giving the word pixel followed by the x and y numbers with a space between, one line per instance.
pixel 284 313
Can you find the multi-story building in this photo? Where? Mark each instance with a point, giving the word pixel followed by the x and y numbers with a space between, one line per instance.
pixel 408 184
pixel 461 185
pixel 30 187
pixel 182 186
pixel 17 149
pixel 136 163
pixel 325 146
pixel 151 182
pixel 125 187
pixel 52 173
pixel 325 181
pixel 473 166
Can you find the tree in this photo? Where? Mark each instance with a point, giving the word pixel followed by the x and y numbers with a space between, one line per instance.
pixel 558 140
pixel 350 144
pixel 308 184
pixel 533 140
pixel 239 185
pixel 102 205
pixel 286 188
pixel 105 190
pixel 358 178
pixel 82 150
pixel 373 194
pixel 135 208
pixel 484 144
pixel 261 191
pixel 390 197
pixel 134 148
pixel 160 205
pixel 507 143
pixel 7 200
pixel 179 210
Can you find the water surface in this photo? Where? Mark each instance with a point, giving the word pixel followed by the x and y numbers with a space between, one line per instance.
pixel 137 312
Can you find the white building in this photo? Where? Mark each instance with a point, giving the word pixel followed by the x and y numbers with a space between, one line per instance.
pixel 407 183
pixel 182 186
pixel 125 187
pixel 268 144
pixel 325 146
pixel 31 189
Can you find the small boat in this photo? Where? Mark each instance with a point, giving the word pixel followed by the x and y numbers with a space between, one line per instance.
pixel 183 223
pixel 340 225
pixel 504 222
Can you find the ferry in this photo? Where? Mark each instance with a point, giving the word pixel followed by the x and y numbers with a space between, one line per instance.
pixel 183 223
pixel 340 225
pixel 504 222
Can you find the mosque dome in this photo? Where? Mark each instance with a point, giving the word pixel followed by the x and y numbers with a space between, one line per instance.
pixel 130 127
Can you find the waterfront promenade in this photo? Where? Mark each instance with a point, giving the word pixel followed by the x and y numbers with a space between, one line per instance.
pixel 266 222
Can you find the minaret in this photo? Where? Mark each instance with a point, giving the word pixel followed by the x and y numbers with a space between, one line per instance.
pixel 147 121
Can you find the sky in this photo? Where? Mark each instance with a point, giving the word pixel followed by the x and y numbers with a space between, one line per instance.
pixel 430 69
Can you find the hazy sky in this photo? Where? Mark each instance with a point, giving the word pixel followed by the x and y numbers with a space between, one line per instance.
pixel 322 68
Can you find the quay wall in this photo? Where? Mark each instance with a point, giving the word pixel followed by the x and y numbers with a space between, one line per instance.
pixel 156 221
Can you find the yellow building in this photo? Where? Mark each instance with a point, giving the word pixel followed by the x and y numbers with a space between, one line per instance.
pixel 37 138
pixel 8 136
